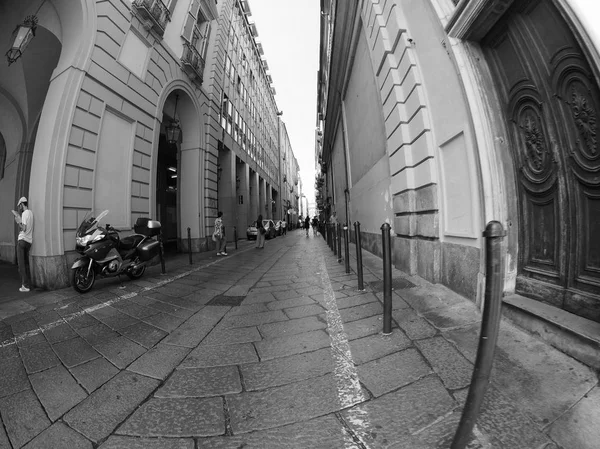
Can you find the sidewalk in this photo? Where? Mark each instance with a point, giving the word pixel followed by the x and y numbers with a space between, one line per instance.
pixel 276 348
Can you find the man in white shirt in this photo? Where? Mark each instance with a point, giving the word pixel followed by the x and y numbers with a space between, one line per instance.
pixel 24 241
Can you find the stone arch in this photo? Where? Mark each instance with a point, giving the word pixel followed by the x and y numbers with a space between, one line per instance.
pixel 191 211
pixel 73 25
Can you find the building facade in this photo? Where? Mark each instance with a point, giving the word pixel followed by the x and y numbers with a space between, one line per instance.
pixel 147 108
pixel 439 116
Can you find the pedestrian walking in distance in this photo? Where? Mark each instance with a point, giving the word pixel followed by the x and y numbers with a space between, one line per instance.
pixel 24 218
pixel 260 237
pixel 307 224
pixel 219 235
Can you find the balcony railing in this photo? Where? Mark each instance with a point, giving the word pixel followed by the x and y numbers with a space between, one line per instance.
pixel 153 13
pixel 193 63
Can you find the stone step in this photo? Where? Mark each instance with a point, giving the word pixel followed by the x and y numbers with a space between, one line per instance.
pixel 569 333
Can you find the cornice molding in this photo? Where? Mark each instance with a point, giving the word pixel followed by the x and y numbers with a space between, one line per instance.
pixel 472 19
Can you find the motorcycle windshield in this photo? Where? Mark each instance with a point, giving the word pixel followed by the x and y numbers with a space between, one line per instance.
pixel 90 222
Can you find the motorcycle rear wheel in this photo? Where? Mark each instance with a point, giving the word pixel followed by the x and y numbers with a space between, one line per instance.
pixel 138 273
pixel 81 281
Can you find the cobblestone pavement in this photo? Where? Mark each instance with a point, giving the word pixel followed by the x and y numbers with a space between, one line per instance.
pixel 170 361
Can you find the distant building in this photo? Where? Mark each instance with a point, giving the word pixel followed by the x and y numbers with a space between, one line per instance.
pixel 146 108
pixel 438 116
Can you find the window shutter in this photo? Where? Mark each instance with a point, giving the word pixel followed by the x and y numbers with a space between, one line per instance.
pixel 190 21
pixel 205 40
pixel 172 6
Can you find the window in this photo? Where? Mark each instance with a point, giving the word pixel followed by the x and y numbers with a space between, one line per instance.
pixel 224 102
pixel 196 29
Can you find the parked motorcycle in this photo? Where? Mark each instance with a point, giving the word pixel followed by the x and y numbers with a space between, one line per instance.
pixel 105 254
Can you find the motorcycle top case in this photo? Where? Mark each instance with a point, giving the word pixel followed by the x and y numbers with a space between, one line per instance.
pixel 146 227
pixel 148 250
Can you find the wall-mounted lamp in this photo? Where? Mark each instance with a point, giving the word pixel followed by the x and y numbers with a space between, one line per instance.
pixel 219 171
pixel 279 113
pixel 21 37
pixel 173 130
pixel 237 182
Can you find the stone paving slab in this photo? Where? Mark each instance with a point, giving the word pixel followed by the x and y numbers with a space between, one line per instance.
pixel 454 370
pixel 23 417
pixel 144 334
pixel 325 432
pixel 356 300
pixel 286 370
pixel 230 336
pixel 393 371
pixel 94 373
pixel 120 351
pixel 413 325
pixel 98 415
pixel 183 417
pixel 13 377
pixel 97 333
pixel 38 358
pixel 255 297
pixel 213 355
pixel 74 352
pixel 253 319
pixel 165 321
pixel 389 419
pixel 292 327
pixel 123 442
pixel 159 361
pixel 201 383
pixel 579 426
pixel 293 344
pixel 197 327
pixel 287 303
pixel 304 311
pixel 287 404
pixel 459 315
pixel 243 309
pixel 505 425
pixel 365 327
pixel 522 371
pixel 59 436
pixel 59 333
pixel 57 390
pixel 362 311
pixel 376 346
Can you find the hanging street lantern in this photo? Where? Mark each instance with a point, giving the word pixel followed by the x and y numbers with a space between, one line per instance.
pixel 173 130
pixel 21 37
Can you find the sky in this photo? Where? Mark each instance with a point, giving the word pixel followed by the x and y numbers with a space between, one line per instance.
pixel 289 33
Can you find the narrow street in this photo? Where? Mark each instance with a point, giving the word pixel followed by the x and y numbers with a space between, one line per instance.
pixel 275 348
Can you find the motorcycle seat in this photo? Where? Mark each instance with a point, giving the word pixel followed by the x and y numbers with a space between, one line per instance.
pixel 130 242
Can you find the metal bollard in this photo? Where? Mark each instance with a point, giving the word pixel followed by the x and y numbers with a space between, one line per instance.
pixel 161 250
pixel 488 336
pixel 387 278
pixel 359 267
pixel 339 242
pixel 235 236
pixel 334 239
pixel 190 244
pixel 347 243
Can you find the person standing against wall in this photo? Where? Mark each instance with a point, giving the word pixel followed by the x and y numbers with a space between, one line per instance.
pixel 219 235
pixel 260 235
pixel 24 219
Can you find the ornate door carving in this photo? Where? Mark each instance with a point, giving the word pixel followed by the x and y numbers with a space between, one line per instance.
pixel 551 99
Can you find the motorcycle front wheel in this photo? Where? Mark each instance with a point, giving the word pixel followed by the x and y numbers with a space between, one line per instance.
pixel 137 273
pixel 81 281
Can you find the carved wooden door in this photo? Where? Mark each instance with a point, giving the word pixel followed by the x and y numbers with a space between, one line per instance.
pixel 550 98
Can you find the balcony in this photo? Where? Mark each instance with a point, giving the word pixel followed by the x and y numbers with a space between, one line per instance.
pixel 153 14
pixel 192 63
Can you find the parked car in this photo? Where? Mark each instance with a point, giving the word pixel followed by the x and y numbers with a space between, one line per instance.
pixel 269 226
pixel 252 231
